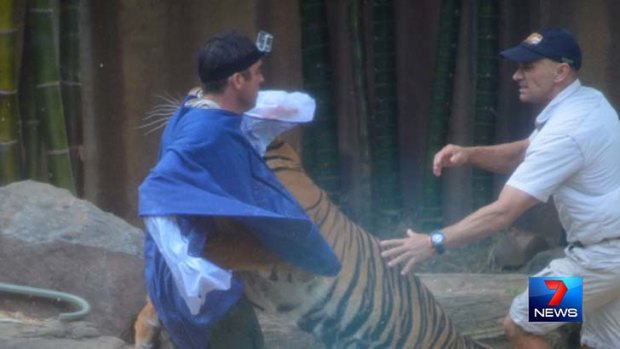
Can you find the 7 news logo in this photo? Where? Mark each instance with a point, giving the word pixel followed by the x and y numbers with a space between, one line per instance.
pixel 555 299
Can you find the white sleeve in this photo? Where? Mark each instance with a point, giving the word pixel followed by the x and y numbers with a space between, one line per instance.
pixel 549 161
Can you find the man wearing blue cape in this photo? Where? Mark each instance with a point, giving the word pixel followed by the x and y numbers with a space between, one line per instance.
pixel 208 169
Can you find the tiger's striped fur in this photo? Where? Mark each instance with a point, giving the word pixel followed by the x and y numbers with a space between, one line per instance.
pixel 367 305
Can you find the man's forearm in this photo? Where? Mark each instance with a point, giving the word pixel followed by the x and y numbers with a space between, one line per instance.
pixel 477 225
pixel 498 215
pixel 501 158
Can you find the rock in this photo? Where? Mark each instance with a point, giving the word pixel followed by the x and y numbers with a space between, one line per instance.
pixel 55 335
pixel 50 239
pixel 517 248
pixel 542 259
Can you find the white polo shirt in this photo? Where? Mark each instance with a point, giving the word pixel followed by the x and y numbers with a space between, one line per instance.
pixel 574 155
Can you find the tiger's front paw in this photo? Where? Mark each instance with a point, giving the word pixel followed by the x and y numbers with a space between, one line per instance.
pixel 147 327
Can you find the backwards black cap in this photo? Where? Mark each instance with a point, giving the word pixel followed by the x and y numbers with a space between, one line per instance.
pixel 233 39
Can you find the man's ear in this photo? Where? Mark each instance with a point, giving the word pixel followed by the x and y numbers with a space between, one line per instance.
pixel 562 72
pixel 236 80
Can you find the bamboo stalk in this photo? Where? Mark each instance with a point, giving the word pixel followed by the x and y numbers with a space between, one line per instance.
pixel 360 90
pixel 29 123
pixel 70 83
pixel 31 139
pixel 48 94
pixel 430 212
pixel 486 95
pixel 320 140
pixel 387 201
pixel 9 144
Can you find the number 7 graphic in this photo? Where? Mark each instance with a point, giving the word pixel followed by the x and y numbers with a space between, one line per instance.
pixel 560 291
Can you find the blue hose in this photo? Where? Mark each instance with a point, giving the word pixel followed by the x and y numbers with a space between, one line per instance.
pixel 81 303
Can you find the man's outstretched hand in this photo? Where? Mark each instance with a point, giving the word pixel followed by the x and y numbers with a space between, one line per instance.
pixel 450 156
pixel 409 250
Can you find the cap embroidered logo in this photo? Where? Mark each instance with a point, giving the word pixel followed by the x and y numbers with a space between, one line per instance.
pixel 534 39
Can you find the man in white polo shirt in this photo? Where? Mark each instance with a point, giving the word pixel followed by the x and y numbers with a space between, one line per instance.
pixel 574 155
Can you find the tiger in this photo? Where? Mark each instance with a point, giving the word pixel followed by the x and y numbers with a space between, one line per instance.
pixel 367 305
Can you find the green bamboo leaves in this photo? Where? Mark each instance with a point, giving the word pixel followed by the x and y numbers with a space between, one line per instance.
pixel 9 117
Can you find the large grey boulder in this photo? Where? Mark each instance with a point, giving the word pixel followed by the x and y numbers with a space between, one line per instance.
pixel 50 239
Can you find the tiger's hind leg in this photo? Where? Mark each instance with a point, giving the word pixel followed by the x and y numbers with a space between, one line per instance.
pixel 147 327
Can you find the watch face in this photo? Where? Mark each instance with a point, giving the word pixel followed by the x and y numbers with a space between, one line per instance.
pixel 437 238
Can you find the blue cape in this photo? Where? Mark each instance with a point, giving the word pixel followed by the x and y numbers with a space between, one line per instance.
pixel 208 168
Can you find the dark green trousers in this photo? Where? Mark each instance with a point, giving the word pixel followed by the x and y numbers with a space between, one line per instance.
pixel 238 329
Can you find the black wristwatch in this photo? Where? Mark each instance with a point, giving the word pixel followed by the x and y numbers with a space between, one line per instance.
pixel 437 240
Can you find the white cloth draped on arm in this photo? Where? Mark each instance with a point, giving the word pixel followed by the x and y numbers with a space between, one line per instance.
pixel 194 276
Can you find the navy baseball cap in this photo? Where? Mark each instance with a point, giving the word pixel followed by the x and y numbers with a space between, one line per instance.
pixel 554 43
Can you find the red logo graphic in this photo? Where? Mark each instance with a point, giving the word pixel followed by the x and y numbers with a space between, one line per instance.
pixel 560 291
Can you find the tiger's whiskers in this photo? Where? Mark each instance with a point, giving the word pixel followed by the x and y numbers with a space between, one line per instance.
pixel 158 116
